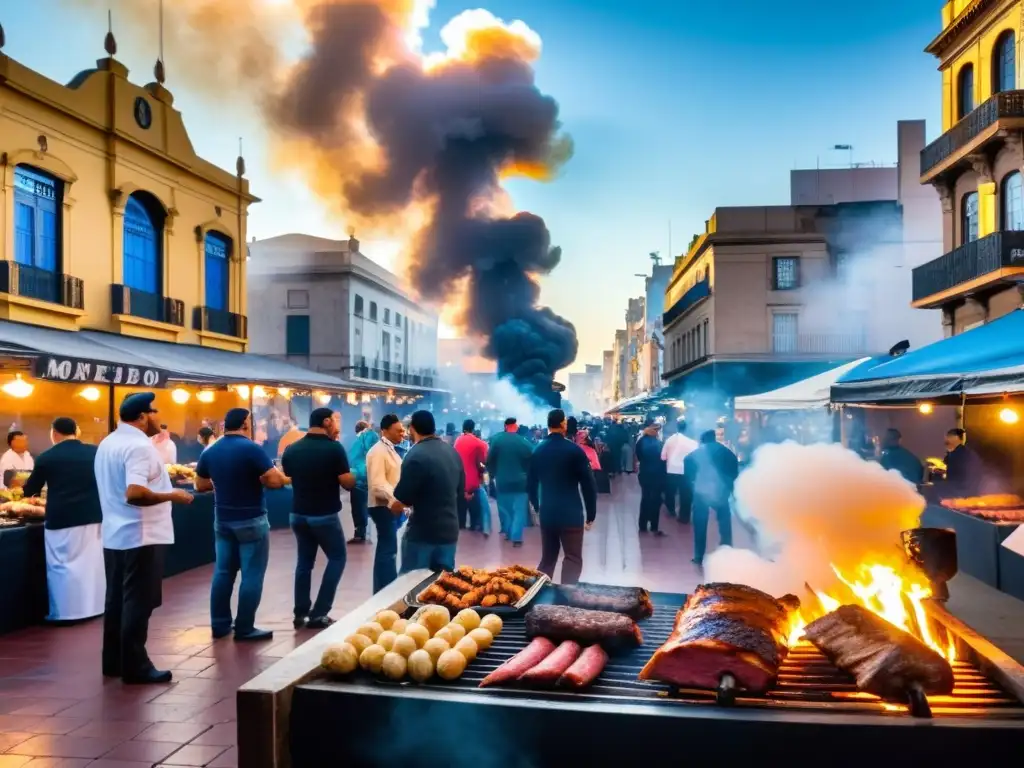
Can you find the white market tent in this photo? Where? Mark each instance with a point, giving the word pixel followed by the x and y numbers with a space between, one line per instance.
pixel 810 393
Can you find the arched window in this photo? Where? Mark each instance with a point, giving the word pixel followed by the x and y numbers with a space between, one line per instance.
pixel 969 218
pixel 1013 202
pixel 965 91
pixel 37 204
pixel 143 243
pixel 218 272
pixel 1004 63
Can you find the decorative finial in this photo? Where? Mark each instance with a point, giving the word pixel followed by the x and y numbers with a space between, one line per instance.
pixel 109 43
pixel 240 162
pixel 3 39
pixel 158 71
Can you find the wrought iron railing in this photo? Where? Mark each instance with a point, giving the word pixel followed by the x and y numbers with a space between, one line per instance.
pixel 42 284
pixel 819 343
pixel 149 306
pixel 1002 105
pixel 968 262
pixel 210 320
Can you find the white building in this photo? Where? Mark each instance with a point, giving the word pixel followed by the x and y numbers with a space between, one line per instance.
pixel 585 390
pixel 321 304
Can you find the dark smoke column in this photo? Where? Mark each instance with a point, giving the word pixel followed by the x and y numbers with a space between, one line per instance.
pixel 446 134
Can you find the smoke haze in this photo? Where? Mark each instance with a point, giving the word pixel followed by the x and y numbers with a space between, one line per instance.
pixel 813 506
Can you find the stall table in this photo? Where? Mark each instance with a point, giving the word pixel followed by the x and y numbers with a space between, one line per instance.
pixel 23 600
pixel 279 507
pixel 978 541
pixel 193 535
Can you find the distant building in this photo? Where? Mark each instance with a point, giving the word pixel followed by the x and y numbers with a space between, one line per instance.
pixel 324 305
pixel 607 378
pixel 828 186
pixel 620 365
pixel 585 389
pixel 652 356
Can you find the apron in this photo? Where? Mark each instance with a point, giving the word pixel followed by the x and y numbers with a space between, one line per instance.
pixel 75 574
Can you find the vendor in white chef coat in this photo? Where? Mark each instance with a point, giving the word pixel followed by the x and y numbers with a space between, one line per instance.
pixel 16 457
pixel 75 575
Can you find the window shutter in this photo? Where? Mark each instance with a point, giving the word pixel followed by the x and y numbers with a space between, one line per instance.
pixel 297 335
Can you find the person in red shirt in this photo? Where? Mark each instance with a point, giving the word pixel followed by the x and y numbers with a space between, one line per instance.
pixel 473 452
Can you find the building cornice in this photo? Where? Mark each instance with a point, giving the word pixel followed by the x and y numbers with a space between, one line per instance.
pixel 967 16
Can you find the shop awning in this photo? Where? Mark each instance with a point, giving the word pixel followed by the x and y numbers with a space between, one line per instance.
pixel 813 392
pixel 986 361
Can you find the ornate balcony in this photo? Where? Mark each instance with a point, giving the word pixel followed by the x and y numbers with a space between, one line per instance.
pixel 991 121
pixel 41 284
pixel 148 306
pixel 974 267
pixel 210 320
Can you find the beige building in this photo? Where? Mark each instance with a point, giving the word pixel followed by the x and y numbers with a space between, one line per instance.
pixel 620 365
pixel 585 389
pixel 975 165
pixel 607 379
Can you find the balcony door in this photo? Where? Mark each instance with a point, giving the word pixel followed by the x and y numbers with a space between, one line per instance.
pixel 969 218
pixel 37 201
pixel 784 332
pixel 142 246
pixel 217 250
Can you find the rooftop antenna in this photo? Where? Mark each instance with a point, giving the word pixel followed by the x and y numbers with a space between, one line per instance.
pixel 656 258
pixel 158 70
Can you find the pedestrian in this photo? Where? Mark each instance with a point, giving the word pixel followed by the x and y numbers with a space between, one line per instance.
pixel 72 530
pixel 896 457
pixel 713 469
pixel 508 462
pixel 16 458
pixel 651 474
pixel 383 471
pixel 473 452
pixel 366 438
pixel 559 474
pixel 318 467
pixel 165 446
pixel 135 495
pixel 237 470
pixel 678 490
pixel 432 482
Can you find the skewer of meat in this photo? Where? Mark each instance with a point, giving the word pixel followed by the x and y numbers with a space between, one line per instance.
pixel 586 669
pixel 551 669
pixel 522 662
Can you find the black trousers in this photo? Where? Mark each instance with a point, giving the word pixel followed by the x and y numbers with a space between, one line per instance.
pixel 652 492
pixel 678 497
pixel 570 542
pixel 134 591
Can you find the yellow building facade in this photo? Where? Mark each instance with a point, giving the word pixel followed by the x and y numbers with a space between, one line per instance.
pixel 108 219
pixel 976 165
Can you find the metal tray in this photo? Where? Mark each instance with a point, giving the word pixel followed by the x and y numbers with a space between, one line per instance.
pixel 502 610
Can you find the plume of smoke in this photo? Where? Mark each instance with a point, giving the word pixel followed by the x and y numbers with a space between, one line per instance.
pixel 500 392
pixel 813 506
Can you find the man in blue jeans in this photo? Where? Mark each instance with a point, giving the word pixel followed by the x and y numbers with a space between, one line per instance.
pixel 432 482
pixel 318 467
pixel 237 470
pixel 508 461
pixel 383 470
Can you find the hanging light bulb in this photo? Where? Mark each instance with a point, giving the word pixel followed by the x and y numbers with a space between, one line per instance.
pixel 926 408
pixel 18 388
pixel 180 395
pixel 259 392
pixel 284 392
pixel 351 398
pixel 206 396
pixel 1009 416
pixel 366 397
pixel 243 391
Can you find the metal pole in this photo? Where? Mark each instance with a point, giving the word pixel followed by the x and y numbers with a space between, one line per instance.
pixel 111 423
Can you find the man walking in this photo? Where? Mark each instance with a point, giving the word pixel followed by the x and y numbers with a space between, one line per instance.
pixel 473 452
pixel 651 474
pixel 713 469
pixel 237 470
pixel 366 438
pixel 72 531
pixel 508 462
pixel 432 482
pixel 559 472
pixel 383 471
pixel 678 493
pixel 135 495
pixel 318 467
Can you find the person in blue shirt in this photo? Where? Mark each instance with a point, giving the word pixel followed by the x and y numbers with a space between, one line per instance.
pixel 237 470
pixel 366 438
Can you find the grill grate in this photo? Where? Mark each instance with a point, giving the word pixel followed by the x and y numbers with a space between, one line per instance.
pixel 807 679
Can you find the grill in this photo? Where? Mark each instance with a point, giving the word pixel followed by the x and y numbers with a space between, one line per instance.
pixel 621 718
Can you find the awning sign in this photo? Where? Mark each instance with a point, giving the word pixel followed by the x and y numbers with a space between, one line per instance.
pixel 77 371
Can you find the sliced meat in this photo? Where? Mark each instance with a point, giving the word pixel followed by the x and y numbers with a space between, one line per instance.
pixel 586 669
pixel 884 660
pixel 634 602
pixel 559 622
pixel 522 662
pixel 725 629
pixel 554 665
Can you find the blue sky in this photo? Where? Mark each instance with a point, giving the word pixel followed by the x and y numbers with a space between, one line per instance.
pixel 676 107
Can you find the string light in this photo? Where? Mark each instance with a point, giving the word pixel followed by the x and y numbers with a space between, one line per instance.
pixel 243 391
pixel 206 396
pixel 92 394
pixel 324 398
pixel 351 398
pixel 1009 416
pixel 284 392
pixel 18 388
pixel 926 408
pixel 259 392
pixel 180 395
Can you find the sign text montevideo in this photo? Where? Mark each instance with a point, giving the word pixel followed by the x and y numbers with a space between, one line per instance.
pixel 75 370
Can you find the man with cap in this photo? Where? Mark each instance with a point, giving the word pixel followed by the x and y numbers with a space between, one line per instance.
pixel 237 470
pixel 135 495
pixel 651 474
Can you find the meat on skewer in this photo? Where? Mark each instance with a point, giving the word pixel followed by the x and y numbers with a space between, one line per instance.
pixel 522 662
pixel 725 632
pixel 884 660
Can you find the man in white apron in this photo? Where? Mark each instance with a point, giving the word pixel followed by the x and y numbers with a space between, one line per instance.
pixel 75 576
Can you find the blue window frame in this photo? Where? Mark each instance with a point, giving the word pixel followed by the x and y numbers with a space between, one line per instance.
pixel 297 335
pixel 969 218
pixel 218 272
pixel 37 204
pixel 965 91
pixel 1004 63
pixel 142 247
pixel 1013 202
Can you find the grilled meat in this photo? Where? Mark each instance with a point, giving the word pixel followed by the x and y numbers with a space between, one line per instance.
pixel 559 622
pixel 551 669
pixel 522 662
pixel 725 629
pixel 635 602
pixel 885 660
pixel 586 669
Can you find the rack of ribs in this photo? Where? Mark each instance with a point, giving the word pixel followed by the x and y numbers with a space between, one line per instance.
pixel 884 660
pixel 725 636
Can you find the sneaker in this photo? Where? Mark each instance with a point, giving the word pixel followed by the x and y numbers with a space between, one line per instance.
pixel 299 622
pixel 152 677
pixel 254 635
pixel 320 622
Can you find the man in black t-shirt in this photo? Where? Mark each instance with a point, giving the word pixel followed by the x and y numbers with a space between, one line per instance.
pixel 318 467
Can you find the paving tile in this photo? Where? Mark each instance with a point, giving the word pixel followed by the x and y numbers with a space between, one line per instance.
pixel 194 755
pixel 11 739
pixel 220 735
pixel 40 725
pixel 44 706
pixel 66 746
pixel 142 751
pixel 14 761
pixel 60 762
pixel 179 732
pixel 105 763
pixel 122 729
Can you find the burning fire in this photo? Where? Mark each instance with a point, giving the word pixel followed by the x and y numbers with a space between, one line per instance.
pixel 882 590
